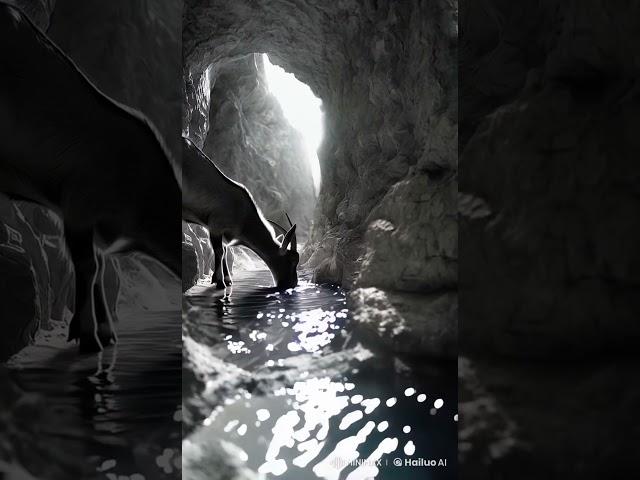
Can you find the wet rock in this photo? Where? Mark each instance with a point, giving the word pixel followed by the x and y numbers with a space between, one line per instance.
pixel 26 291
pixel 209 380
pixel 48 229
pixel 413 249
pixel 252 142
pixel 208 460
pixel 407 322
pixel 21 312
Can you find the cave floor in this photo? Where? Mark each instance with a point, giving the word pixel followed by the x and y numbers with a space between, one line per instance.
pixel 277 384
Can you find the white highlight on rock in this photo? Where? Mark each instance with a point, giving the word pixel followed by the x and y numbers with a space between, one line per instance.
pixel 301 108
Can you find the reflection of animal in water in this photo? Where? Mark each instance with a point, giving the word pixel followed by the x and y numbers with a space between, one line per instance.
pixel 227 209
pixel 100 165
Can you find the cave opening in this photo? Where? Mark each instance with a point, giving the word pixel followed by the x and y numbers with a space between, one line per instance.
pixel 263 129
pixel 301 108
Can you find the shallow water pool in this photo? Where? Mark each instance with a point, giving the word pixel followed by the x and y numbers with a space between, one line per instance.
pixel 277 386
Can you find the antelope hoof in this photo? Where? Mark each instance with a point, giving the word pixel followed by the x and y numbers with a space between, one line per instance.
pixel 227 280
pixel 89 344
pixel 106 336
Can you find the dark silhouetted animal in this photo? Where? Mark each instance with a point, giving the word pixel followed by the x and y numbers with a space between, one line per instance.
pixel 228 210
pixel 100 165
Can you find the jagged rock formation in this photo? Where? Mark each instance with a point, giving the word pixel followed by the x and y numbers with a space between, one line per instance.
pixel 548 234
pixel 387 75
pixel 549 174
pixel 37 281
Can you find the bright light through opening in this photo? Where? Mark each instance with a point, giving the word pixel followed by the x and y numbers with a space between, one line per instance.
pixel 301 108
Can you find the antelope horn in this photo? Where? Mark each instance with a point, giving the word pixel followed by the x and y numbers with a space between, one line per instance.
pixel 279 228
pixel 290 237
pixel 294 241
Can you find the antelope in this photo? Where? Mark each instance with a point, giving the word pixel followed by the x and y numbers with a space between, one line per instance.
pixel 99 164
pixel 228 210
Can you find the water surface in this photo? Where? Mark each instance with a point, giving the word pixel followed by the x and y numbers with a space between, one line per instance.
pixel 282 388
pixel 121 408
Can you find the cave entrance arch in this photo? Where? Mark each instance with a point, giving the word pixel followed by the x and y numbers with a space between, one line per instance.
pixel 263 129
pixel 301 108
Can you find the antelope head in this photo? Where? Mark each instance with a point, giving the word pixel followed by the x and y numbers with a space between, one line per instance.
pixel 285 266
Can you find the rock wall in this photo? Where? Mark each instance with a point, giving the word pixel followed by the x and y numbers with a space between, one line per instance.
pixel 36 287
pixel 387 75
pixel 548 235
pixel 549 239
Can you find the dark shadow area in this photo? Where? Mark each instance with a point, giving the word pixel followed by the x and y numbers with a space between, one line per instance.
pixel 549 229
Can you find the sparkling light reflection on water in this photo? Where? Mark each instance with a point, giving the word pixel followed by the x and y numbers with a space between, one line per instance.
pixel 316 404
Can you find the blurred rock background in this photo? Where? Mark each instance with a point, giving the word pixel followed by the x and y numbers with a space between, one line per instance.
pixel 548 238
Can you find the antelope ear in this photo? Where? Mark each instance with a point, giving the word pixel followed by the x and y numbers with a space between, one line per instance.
pixel 288 238
pixel 279 238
